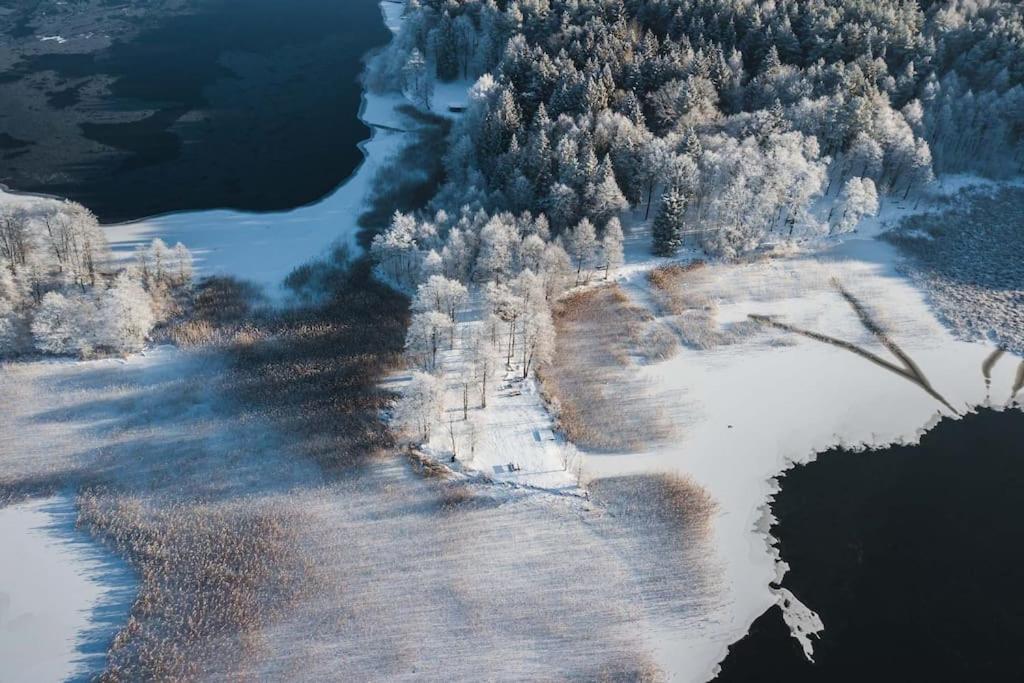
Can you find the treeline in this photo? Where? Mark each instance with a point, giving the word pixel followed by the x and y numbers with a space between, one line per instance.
pixel 61 292
pixel 729 122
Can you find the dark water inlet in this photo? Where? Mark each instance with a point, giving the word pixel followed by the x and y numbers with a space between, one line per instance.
pixel 245 104
pixel 911 556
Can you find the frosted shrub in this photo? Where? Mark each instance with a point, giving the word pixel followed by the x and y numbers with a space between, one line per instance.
pixel 65 324
pixel 126 316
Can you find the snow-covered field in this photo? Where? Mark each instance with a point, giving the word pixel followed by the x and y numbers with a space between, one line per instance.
pixel 759 400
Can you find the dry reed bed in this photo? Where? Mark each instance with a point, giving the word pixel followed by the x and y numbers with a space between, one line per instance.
pixel 211 578
pixel 591 382
pixel 685 292
pixel 661 525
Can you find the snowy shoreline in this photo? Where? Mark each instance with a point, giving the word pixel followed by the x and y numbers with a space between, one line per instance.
pixel 264 247
pixel 749 411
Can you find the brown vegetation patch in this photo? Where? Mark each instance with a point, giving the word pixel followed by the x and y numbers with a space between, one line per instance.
pixel 211 578
pixel 681 292
pixel 313 371
pixel 591 381
pixel 657 499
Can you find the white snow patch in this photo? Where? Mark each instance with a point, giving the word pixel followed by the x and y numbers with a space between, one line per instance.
pixel 52 583
pixel 515 438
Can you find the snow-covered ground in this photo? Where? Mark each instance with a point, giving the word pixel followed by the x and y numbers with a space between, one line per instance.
pixel 751 409
pixel 61 597
pixel 748 410
pixel 513 439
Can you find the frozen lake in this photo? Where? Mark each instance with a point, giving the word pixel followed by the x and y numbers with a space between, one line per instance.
pixel 62 597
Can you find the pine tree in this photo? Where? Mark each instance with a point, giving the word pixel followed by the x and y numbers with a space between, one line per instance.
pixel 606 199
pixel 446 55
pixel 668 224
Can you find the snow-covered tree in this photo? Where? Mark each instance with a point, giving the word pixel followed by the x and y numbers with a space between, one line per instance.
pixel 858 199
pixel 396 250
pixel 66 324
pixel 417 81
pixel 440 294
pixel 538 342
pixel 611 246
pixel 498 241
pixel 182 265
pixel 125 316
pixel 426 334
pixel 507 306
pixel 420 407
pixel 16 239
pixel 605 198
pixel 581 245
pixel 669 223
pixel 556 270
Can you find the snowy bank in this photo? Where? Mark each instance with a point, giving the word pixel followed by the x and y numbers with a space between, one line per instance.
pixel 62 597
pixel 749 409
pixel 265 247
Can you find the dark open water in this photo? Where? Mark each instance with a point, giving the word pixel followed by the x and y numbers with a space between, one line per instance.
pixel 247 104
pixel 912 556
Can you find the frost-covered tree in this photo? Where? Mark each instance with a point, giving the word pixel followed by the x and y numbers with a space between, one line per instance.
pixel 858 199
pixel 417 81
pixel 538 341
pixel 611 246
pixel 66 324
pixel 76 241
pixel 420 407
pixel 182 265
pixel 508 306
pixel 16 239
pixel 581 245
pixel 669 223
pixel 10 301
pixel 440 294
pixel 426 334
pixel 605 198
pixel 125 316
pixel 556 270
pixel 498 241
pixel 396 251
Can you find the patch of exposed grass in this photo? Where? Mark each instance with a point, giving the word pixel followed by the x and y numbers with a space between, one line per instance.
pixel 682 292
pixel 212 577
pixel 591 382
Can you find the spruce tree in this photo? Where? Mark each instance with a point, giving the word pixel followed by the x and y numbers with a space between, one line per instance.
pixel 446 55
pixel 668 224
